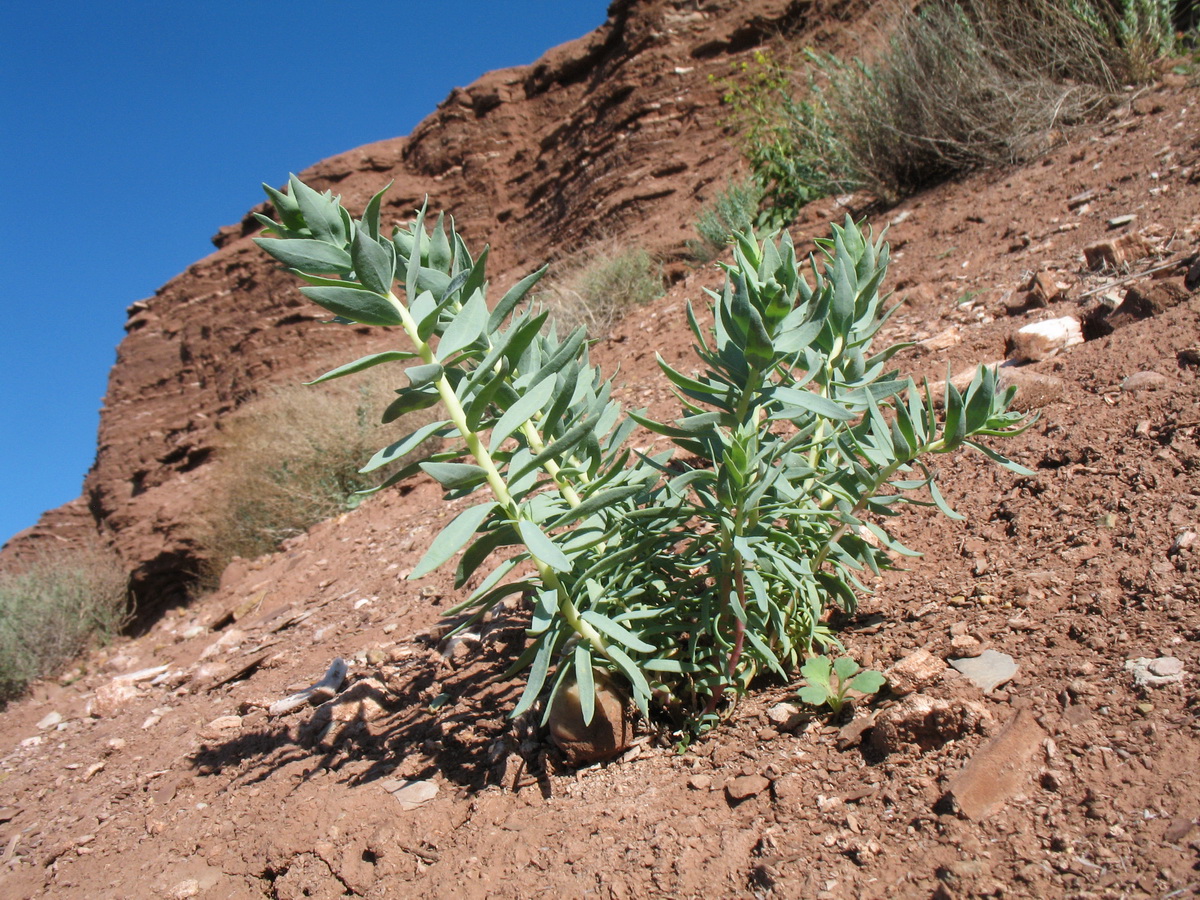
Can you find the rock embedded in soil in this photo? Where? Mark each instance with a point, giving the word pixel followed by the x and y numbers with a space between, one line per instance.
pixel 222 724
pixel 852 732
pixel 1156 672
pixel 918 670
pixel 1042 340
pixel 111 698
pixel 1128 248
pixel 410 794
pixel 926 723
pixel 988 670
pixel 606 736
pixel 999 770
pixel 745 786
pixel 785 716
pixel 50 720
pixel 1144 381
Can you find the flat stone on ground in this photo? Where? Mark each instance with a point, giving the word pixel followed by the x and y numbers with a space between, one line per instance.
pixel 999 770
pixel 988 670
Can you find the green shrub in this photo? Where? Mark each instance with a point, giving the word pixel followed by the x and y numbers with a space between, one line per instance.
pixel 686 574
pixel 789 141
pixel 733 209
pixel 596 287
pixel 287 461
pixel 960 84
pixel 54 608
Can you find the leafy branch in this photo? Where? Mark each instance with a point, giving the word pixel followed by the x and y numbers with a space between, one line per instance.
pixel 686 572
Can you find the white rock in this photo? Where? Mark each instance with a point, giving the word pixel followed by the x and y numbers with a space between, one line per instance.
pixel 223 723
pixel 988 670
pixel 1155 672
pixel 111 698
pixel 144 674
pixel 1042 340
pixel 785 716
pixel 50 720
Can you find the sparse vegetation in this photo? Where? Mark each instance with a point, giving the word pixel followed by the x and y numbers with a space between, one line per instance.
pixel 960 84
pixel 288 460
pixel 54 608
pixel 597 286
pixel 733 209
pixel 789 141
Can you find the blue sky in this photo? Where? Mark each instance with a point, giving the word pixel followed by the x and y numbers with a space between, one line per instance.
pixel 131 131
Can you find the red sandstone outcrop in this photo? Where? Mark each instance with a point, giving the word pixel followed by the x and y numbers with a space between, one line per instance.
pixel 616 133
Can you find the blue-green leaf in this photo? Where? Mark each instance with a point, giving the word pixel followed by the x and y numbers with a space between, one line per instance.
pixel 941 502
pixel 402 447
pixel 537 673
pixel 454 475
pixel 365 362
pixel 374 265
pixel 410 400
pixel 1002 460
pixel 358 305
pixel 321 212
pixel 465 329
pixel 519 413
pixel 514 296
pixel 370 218
pixel 798 402
pixel 308 255
pixel 439 246
pixel 452 538
pixel 420 376
pixel 641 687
pixel 617 632
pixel 585 682
pixel 542 546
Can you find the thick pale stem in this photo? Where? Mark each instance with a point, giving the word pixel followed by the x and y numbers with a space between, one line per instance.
pixel 475 446
pixel 537 446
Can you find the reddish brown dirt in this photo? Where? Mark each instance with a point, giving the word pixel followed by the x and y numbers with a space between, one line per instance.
pixel 188 787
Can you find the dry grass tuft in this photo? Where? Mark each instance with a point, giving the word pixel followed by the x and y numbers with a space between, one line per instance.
pixel 291 459
pixel 596 286
pixel 53 609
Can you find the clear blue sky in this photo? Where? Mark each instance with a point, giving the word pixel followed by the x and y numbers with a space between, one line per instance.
pixel 130 131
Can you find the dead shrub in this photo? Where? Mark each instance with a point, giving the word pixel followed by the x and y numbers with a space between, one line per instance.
pixel 54 608
pixel 291 459
pixel 967 83
pixel 596 286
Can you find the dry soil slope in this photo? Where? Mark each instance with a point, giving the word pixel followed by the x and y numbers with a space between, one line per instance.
pixel 616 133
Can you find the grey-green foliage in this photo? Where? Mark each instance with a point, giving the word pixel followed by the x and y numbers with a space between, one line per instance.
pixel 53 608
pixel 958 84
pixel 685 573
pixel 733 209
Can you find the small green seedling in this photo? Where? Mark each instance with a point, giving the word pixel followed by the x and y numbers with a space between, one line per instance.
pixel 821 690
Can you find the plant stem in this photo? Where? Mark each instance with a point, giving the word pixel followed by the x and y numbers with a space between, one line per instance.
pixel 477 449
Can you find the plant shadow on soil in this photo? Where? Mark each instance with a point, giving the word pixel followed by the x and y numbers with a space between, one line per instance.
pixel 414 719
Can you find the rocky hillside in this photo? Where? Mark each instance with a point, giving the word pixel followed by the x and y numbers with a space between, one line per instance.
pixel 616 133
pixel 166 766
